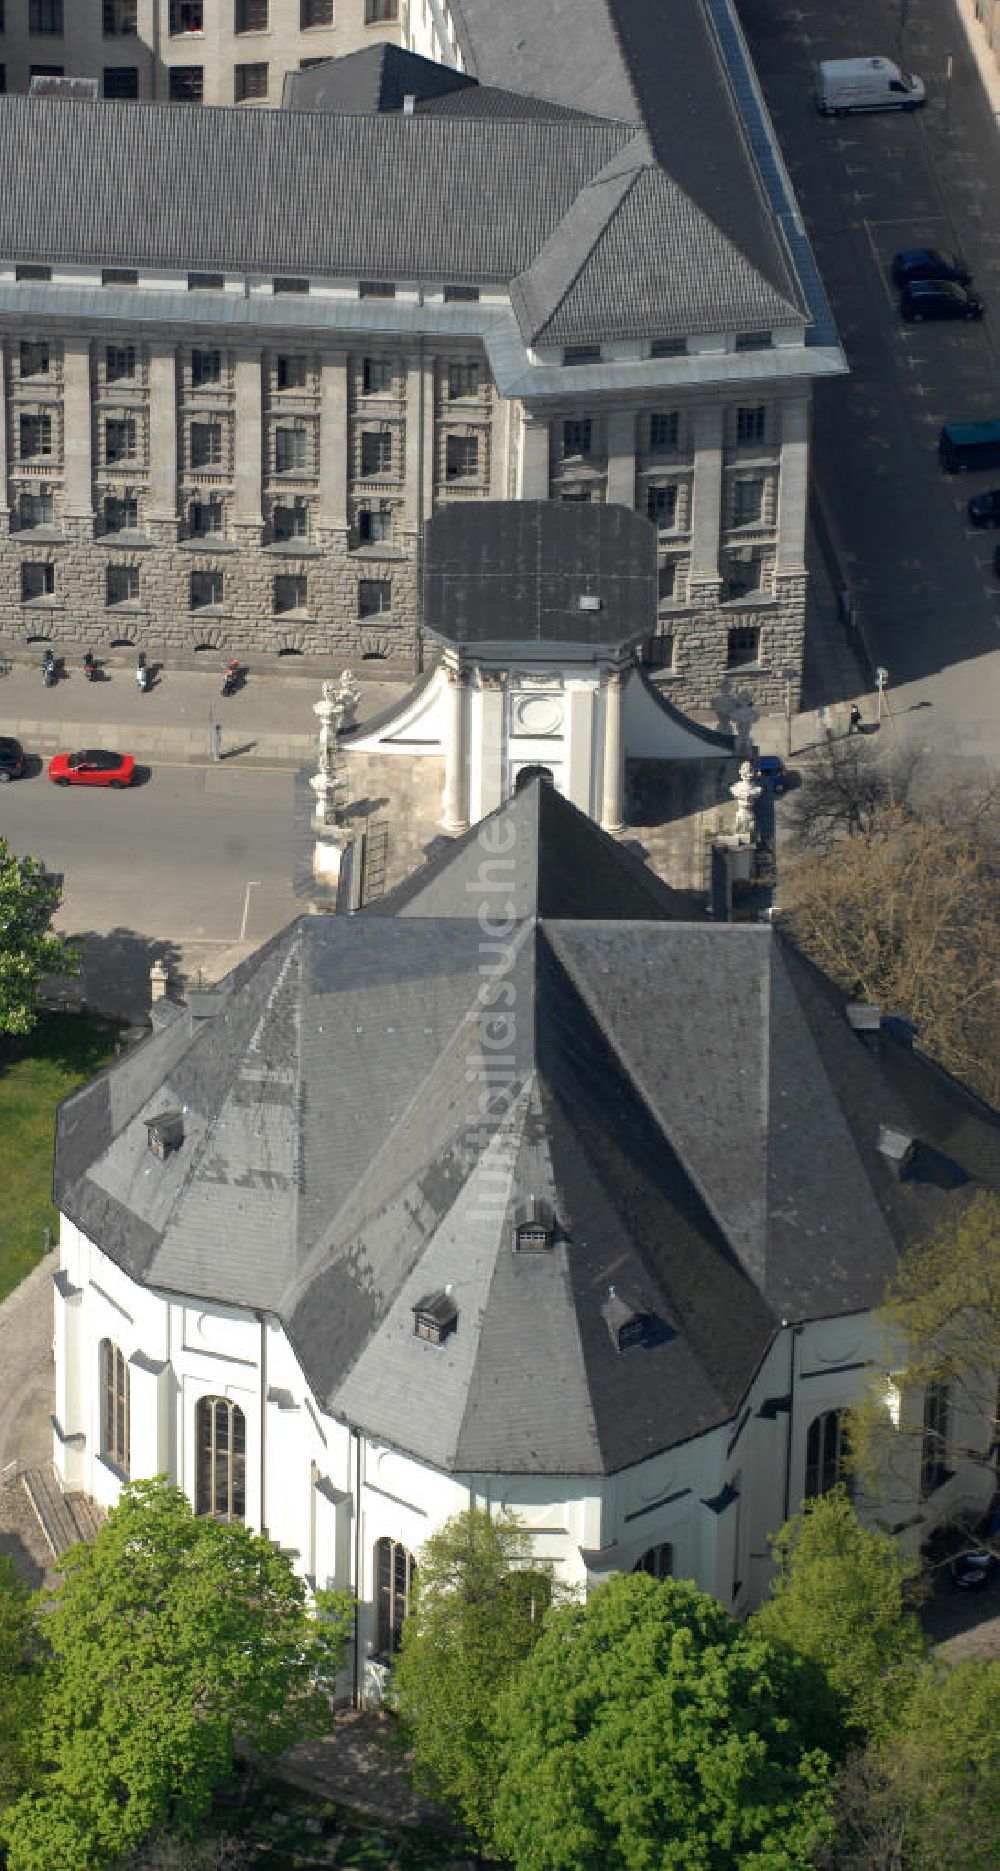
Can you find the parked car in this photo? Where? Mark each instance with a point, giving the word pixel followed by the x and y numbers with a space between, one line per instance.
pixel 984 509
pixel 927 263
pixel 11 759
pixel 844 85
pixel 975 1567
pixel 95 766
pixel 772 770
pixel 939 298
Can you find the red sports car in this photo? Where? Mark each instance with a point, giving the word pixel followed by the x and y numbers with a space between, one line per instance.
pixel 94 767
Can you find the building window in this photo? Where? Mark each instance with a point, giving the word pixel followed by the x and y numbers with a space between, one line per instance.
pixel 658 651
pixel 315 13
pixel 463 379
pixel 250 81
pixel 826 1449
pixel 206 367
pixel 119 439
pixel 934 1446
pixel 747 502
pixel 582 354
pixel 742 649
pixel 751 425
pixel 661 506
pixel 461 295
pixel 120 18
pixel 206 591
pixel 46 71
pixel 35 358
pixel 742 575
pixel 291 522
pixel 205 282
pixel 46 17
pixel 668 347
pixel 37 581
pixel 291 372
pixel 289 450
pixel 221 1440
pixel 754 341
pixel 3 74
pixel 36 436
pixel 205 517
pixel 251 16
pixel 379 12
pixel 577 437
pixel 376 452
pixel 119 276
pixel 206 444
pixel 114 1406
pixel 461 458
pixel 375 526
pixel 119 362
pixel 187 84
pixel 122 584
pixel 376 289
pixel 658 1561
pixel 30 272
pixel 664 429
pixel 121 81
pixel 395 1570
pixel 35 508
pixel 377 376
pixel 374 597
pixel 121 513
pixel 186 16
pixel 666 580
pixel 289 282
pixel 290 592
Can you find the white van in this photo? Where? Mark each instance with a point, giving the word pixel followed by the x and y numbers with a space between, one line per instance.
pixel 849 84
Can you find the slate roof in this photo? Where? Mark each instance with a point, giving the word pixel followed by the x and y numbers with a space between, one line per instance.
pixel 688 1098
pixel 380 77
pixel 514 571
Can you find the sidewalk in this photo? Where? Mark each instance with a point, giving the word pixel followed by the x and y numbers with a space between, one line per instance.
pixel 269 720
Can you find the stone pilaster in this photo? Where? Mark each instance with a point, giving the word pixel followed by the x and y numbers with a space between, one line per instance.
pixel 706 515
pixel 334 440
pixel 248 515
pixel 78 462
pixel 455 801
pixel 534 458
pixel 793 486
pixel 163 438
pixel 613 786
pixel 4 492
pixel 621 457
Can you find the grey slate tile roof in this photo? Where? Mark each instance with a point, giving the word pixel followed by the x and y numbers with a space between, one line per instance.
pixel 381 77
pixel 689 1099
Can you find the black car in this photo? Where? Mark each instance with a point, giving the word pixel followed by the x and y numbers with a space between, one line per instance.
pixel 927 263
pixel 984 509
pixel 11 759
pixel 938 298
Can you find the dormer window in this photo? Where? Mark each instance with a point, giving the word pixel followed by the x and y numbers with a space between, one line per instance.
pixel 628 1326
pixel 166 1133
pixel 533 1240
pixel 435 1316
pixel 534 1226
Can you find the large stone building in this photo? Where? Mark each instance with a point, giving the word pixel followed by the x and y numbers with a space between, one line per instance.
pixel 516 1189
pixel 185 51
pixel 231 405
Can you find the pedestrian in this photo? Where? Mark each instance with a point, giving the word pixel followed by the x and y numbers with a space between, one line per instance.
pixel 855 719
pixel 216 741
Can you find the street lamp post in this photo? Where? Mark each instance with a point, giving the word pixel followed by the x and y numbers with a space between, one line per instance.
pixel 882 687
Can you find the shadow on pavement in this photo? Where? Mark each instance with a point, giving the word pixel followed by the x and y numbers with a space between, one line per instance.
pixel 114 978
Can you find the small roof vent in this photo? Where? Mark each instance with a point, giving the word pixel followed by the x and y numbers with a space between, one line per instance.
pixel 165 1133
pixel 863 1017
pixel 898 1148
pixel 409 103
pixel 435 1316
pixel 588 602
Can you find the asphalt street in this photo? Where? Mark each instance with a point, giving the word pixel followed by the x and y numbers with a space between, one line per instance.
pixel 868 186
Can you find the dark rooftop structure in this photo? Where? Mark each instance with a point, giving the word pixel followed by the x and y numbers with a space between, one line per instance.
pixel 539 571
pixel 688 1103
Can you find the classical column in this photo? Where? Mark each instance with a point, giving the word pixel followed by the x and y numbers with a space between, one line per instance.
pixel 621 457
pixel 793 486
pixel 613 788
pixel 4 491
pixel 455 801
pixel 334 441
pixel 77 431
pixel 247 509
pixel 163 433
pixel 534 464
pixel 707 502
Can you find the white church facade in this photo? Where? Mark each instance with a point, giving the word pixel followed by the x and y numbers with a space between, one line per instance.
pixel 516 1189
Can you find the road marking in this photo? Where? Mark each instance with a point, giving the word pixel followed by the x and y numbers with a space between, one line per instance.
pixel 254 884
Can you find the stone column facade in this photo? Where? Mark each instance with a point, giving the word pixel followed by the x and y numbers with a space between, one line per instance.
pixel 455 802
pixel 248 514
pixel 334 438
pixel 4 495
pixel 78 462
pixel 707 501
pixel 613 787
pixel 162 514
pixel 621 457
pixel 793 486
pixel 534 458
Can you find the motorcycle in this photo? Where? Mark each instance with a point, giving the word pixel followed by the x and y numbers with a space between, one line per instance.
pixel 50 672
pixel 143 674
pixel 91 668
pixel 231 677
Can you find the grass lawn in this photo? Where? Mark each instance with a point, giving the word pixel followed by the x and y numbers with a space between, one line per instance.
pixel 35 1073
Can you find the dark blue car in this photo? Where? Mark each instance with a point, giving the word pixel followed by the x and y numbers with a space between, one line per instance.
pixel 927 263
pixel 772 770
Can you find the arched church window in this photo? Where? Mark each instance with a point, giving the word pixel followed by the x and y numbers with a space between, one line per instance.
pixel 395 1570
pixel 658 1561
pixel 114 1406
pixel 826 1451
pixel 221 1439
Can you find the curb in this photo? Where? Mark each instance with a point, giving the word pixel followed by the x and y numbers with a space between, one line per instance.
pixel 189 746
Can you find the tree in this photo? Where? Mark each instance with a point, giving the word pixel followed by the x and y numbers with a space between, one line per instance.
pixel 477 1612
pixel 29 899
pixel 19 1683
pixel 647 1729
pixel 840 1599
pixel 940 1326
pixel 166 1640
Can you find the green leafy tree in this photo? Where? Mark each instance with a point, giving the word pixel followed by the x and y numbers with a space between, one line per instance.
pixel 840 1599
pixel 167 1639
pixel 477 1612
pixel 29 899
pixel 647 1729
pixel 19 1683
